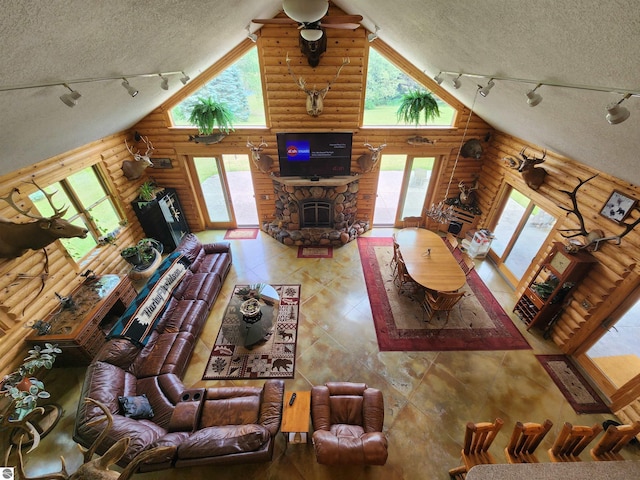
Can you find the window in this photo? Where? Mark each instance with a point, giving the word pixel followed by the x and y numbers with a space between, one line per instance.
pixel 89 205
pixel 239 87
pixel 385 86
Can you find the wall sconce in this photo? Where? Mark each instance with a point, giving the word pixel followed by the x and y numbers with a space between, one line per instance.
pixel 70 99
pixel 373 35
pixel 251 36
pixel 533 97
pixel 130 90
pixel 164 84
pixel 185 78
pixel 484 91
pixel 617 113
pixel 456 82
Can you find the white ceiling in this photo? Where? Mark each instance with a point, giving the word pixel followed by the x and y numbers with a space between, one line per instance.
pixel 588 42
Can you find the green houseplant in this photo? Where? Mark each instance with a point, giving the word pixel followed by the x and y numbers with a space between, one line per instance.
pixel 143 253
pixel 208 113
pixel 416 104
pixel 24 389
pixel 147 191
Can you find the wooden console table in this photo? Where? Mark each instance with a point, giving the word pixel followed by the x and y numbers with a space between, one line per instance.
pixel 80 329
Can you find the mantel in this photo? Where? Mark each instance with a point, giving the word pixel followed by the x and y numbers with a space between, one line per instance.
pixel 322 182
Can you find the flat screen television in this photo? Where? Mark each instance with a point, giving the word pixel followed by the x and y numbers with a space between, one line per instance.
pixel 316 154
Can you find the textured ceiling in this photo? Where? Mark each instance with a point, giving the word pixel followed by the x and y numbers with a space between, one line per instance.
pixel 587 42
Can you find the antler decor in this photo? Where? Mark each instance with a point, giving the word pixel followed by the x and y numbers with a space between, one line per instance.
pixel 314 97
pixel 595 237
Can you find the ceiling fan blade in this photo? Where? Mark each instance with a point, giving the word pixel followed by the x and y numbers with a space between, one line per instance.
pixel 274 21
pixel 341 19
pixel 342 26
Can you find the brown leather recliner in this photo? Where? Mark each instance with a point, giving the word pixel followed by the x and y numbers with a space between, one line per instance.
pixel 347 419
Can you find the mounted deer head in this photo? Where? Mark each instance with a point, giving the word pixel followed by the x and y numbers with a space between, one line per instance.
pixel 593 238
pixel 98 469
pixel 467 193
pixel 133 169
pixel 17 238
pixel 262 162
pixel 368 160
pixel 315 97
pixel 533 177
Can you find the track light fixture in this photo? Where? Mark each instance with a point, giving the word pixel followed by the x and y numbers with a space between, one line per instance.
pixel 617 113
pixel 185 78
pixel 251 36
pixel 484 91
pixel 164 84
pixel 373 35
pixel 130 90
pixel 438 78
pixel 70 99
pixel 534 98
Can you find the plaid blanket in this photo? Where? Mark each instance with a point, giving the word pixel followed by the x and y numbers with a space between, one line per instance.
pixel 139 320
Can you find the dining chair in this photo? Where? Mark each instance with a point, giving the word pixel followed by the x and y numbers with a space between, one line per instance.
pixel 466 263
pixel 524 440
pixel 571 441
pixel 402 278
pixel 478 437
pixel 436 302
pixel 451 241
pixel 408 222
pixel 394 260
pixel 615 437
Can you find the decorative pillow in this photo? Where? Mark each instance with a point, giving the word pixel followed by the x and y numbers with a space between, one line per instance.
pixel 136 407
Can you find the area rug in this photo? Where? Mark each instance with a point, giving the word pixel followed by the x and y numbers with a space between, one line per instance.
pixel 241 234
pixel 274 357
pixel 315 252
pixel 582 397
pixel 477 322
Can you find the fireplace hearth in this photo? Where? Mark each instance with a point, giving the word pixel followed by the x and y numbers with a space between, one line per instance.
pixel 313 213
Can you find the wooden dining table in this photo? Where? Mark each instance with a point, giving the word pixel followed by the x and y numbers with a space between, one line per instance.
pixel 429 261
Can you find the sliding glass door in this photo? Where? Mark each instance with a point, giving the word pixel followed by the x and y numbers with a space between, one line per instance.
pixel 520 231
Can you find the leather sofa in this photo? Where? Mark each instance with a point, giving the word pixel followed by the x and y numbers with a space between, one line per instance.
pixel 348 419
pixel 200 425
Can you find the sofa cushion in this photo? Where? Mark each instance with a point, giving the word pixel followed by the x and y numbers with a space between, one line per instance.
pixel 223 440
pixel 136 406
pixel 216 263
pixel 190 247
pixel 203 286
pixel 167 353
pixel 184 316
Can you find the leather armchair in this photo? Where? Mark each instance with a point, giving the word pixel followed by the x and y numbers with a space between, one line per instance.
pixel 348 419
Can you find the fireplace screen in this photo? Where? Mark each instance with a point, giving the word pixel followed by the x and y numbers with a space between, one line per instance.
pixel 316 214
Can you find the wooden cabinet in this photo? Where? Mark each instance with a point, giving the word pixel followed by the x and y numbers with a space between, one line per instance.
pixel 162 219
pixel 558 275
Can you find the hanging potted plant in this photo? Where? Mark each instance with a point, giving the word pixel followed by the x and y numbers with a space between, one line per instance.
pixel 208 113
pixel 416 104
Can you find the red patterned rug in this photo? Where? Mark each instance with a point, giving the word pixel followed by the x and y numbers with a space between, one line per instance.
pixel 478 322
pixel 241 234
pixel 582 397
pixel 315 252
pixel 271 352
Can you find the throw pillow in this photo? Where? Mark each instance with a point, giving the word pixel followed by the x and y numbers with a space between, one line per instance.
pixel 136 407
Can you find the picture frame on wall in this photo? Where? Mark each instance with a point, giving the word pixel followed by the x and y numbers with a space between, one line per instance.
pixel 618 206
pixel 161 163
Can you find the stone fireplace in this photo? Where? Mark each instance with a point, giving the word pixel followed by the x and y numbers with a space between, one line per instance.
pixel 313 213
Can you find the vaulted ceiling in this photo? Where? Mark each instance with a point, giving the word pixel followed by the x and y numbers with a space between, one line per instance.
pixel 583 42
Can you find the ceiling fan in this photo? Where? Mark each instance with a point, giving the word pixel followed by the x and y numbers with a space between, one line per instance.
pixel 311 17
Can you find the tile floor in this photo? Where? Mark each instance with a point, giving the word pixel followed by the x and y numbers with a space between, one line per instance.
pixel 429 396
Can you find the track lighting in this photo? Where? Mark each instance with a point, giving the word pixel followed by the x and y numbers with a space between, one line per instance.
pixel 251 36
pixel 70 99
pixel 132 91
pixel 373 35
pixel 456 82
pixel 438 78
pixel 484 91
pixel 164 84
pixel 533 97
pixel 185 78
pixel 617 113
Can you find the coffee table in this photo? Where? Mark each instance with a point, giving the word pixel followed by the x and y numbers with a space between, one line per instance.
pixel 252 330
pixel 295 418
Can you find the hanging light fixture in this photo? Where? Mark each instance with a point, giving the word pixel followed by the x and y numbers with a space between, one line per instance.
pixel 70 99
pixel 533 97
pixel 305 11
pixel 438 78
pixel 130 90
pixel 484 91
pixel 311 34
pixel 456 82
pixel 617 113
pixel 164 83
pixel 443 212
pixel 185 78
